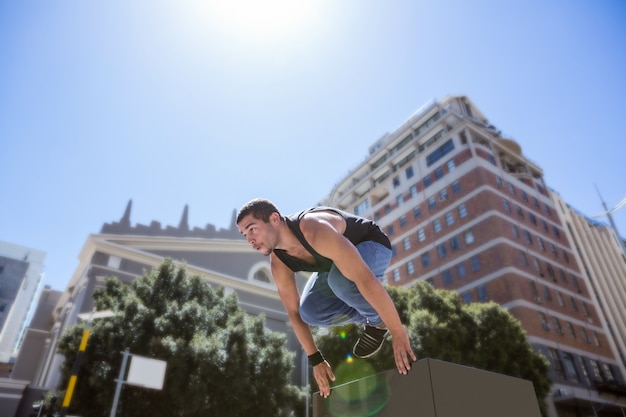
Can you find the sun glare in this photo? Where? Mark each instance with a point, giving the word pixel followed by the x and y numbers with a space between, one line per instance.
pixel 262 18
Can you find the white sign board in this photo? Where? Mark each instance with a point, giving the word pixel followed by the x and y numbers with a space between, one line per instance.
pixel 146 372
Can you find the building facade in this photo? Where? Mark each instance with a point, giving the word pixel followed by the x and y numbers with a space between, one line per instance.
pixel 467 211
pixel 127 252
pixel 600 252
pixel 21 275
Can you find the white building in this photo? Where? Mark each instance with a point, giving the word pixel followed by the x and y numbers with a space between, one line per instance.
pixel 21 274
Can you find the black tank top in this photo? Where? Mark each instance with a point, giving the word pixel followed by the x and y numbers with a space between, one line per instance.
pixel 358 229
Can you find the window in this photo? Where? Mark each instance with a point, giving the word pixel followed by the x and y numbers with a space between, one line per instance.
pixel 440 152
pixel 547 210
pixel 540 243
pixel 406 243
pixel 417 212
pixel 460 271
pixel 262 275
pixel 555 231
pixel 441 250
pixel 114 262
pixel 427 181
pixel 557 325
pixel 432 204
pixel 475 263
pixel 447 277
pixel 573 302
pixel 535 202
pixel 519 211
pixel 570 369
pixel 482 293
pixel 527 237
pixel 524 196
pixel 390 230
pixel 410 268
pixel 515 230
pixel 439 173
pixel 546 293
pixel 552 248
pixel 425 259
pixel 409 172
pixel 559 298
pixel 437 225
pixel 454 243
pixel 499 180
pixel 421 235
pixel 511 189
pixel 413 190
pixel 462 210
pixel 506 204
pixel 361 207
pixel 396 181
pixel 450 165
pixel 544 322
pixel 558 363
pixel 396 275
pixel 532 218
pixel 523 258
pixel 387 209
pixel 469 237
pixel 570 329
pixel 449 218
pixel 399 200
pixel 456 187
pixel 393 250
pixel 443 194
pixel 402 221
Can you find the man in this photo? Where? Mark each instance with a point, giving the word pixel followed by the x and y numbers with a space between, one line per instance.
pixel 349 254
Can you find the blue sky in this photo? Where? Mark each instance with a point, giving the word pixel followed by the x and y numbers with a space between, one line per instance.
pixel 171 103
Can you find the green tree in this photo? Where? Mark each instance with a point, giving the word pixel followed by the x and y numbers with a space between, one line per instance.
pixel 220 360
pixel 481 335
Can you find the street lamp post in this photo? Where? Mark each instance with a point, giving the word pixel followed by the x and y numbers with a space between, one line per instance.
pixel 89 317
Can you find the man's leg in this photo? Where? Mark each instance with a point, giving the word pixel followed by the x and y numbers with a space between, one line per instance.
pixel 377 257
pixel 319 306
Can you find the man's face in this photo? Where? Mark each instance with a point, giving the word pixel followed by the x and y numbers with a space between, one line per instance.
pixel 262 236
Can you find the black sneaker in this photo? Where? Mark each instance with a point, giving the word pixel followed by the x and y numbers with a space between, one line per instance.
pixel 370 342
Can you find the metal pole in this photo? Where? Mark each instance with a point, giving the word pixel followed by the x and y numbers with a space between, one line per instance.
pixel 120 382
pixel 72 383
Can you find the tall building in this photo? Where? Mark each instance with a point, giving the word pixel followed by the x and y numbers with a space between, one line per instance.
pixel 127 252
pixel 21 274
pixel 465 210
pixel 600 252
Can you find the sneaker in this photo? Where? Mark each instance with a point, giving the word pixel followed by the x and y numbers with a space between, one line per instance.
pixel 370 342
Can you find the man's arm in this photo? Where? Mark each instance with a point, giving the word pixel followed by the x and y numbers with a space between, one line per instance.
pixel 323 235
pixel 288 291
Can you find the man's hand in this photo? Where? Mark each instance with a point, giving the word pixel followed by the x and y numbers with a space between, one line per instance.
pixel 323 375
pixel 402 351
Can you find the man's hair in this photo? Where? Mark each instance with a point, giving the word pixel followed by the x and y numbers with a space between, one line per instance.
pixel 260 208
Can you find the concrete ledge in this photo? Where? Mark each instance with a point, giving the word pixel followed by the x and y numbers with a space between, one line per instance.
pixel 433 388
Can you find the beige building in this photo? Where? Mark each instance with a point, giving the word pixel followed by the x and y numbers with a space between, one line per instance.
pixel 600 252
pixel 222 257
pixel 466 210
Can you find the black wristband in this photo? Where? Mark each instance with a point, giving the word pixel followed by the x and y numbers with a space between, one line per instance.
pixel 316 358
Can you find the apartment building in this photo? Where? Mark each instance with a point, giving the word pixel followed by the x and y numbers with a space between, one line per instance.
pixel 465 210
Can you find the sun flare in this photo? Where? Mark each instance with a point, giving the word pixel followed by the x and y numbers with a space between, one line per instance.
pixel 262 18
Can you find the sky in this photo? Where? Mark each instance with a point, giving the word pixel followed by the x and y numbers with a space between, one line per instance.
pixel 210 104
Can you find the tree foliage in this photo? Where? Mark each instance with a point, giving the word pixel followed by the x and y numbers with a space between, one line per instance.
pixel 220 360
pixel 480 335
